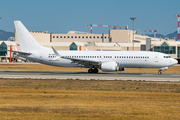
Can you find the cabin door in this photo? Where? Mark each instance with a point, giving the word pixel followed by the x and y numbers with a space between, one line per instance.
pixel 156 58
pixel 41 57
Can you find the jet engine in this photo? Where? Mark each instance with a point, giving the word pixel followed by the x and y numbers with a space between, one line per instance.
pixel 109 66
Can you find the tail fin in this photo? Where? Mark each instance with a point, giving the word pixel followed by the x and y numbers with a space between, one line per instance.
pixel 16 48
pixel 26 40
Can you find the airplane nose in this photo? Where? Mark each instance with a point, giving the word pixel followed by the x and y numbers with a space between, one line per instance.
pixel 175 61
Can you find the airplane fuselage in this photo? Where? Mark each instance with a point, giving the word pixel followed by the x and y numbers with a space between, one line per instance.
pixel 126 59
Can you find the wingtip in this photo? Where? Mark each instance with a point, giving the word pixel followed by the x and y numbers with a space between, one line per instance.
pixel 17 21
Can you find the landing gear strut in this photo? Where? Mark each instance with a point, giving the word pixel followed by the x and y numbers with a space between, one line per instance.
pixel 160 72
pixel 95 70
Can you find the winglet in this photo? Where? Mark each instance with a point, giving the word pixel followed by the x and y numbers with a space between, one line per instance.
pixel 57 54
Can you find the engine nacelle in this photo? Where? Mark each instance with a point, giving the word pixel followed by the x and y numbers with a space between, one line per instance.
pixel 110 66
pixel 121 69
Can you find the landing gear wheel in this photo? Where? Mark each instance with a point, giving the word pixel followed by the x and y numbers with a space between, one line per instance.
pixel 159 72
pixel 90 71
pixel 95 70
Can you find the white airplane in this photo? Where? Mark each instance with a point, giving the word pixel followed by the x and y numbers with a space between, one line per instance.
pixel 104 60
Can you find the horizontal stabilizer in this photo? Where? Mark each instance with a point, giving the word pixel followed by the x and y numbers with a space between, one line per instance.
pixel 24 53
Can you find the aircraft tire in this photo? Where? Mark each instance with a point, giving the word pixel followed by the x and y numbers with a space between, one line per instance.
pixel 90 71
pixel 159 73
pixel 95 70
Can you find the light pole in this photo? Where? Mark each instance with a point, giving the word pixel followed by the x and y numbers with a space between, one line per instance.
pixel 133 18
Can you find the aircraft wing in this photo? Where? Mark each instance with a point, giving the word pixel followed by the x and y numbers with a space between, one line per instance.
pixel 79 61
pixel 84 62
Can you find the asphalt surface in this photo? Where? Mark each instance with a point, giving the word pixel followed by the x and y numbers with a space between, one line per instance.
pixel 88 76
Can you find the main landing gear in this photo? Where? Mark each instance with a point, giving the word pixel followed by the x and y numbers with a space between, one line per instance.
pixel 95 70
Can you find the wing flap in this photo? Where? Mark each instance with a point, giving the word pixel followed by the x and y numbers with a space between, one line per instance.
pixel 84 61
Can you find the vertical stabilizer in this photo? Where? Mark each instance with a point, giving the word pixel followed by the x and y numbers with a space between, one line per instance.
pixel 26 40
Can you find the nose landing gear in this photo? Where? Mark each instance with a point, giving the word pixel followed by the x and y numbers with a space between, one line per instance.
pixel 160 72
pixel 95 70
pixel 162 69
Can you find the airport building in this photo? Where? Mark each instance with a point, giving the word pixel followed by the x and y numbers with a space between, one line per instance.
pixel 116 39
pixel 6 56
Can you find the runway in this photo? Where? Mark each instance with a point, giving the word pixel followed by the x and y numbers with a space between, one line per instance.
pixel 87 76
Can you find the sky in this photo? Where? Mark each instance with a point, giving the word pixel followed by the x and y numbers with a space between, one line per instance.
pixel 61 16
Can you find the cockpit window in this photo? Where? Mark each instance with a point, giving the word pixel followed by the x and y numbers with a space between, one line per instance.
pixel 167 56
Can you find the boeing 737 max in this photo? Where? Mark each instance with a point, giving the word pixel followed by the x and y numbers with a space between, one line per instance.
pixel 104 60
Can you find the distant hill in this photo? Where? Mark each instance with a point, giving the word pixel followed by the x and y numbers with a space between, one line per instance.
pixel 5 35
pixel 170 36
